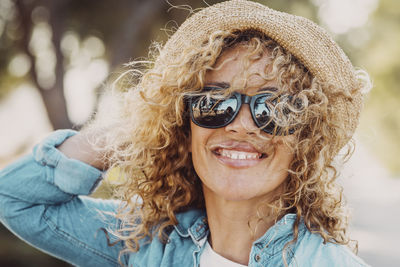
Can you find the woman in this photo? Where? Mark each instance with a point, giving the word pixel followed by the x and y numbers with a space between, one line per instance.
pixel 226 146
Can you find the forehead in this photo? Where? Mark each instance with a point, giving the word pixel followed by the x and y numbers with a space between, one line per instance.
pixel 241 69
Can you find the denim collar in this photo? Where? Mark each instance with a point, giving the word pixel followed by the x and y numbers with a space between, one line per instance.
pixel 192 223
pixel 282 228
pixel 277 237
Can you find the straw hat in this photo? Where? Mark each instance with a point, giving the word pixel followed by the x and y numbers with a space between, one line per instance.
pixel 307 41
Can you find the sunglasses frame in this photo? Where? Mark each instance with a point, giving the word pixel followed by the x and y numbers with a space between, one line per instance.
pixel 241 99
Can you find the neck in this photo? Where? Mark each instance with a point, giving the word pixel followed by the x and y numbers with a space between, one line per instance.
pixel 235 225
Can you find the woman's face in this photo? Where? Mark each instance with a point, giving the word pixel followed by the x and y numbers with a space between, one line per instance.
pixel 235 162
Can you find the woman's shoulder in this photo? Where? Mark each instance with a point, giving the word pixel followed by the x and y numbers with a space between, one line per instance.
pixel 311 250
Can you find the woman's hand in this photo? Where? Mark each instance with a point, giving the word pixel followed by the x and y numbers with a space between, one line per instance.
pixel 81 147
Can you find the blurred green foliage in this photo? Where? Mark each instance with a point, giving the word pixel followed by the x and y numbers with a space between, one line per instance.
pixel 380 56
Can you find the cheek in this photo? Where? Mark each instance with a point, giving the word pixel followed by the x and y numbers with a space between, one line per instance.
pixel 190 143
pixel 195 142
pixel 198 146
pixel 198 137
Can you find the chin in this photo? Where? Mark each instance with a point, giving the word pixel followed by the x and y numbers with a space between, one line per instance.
pixel 238 195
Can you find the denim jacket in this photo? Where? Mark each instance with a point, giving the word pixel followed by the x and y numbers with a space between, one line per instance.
pixel 43 201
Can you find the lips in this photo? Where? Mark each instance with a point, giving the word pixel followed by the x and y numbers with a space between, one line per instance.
pixel 237 154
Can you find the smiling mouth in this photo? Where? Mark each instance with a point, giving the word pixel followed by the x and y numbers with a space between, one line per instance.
pixel 238 155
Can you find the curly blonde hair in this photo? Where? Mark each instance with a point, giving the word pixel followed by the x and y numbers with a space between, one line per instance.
pixel 150 142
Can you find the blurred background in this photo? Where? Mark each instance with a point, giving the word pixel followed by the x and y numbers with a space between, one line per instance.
pixel 57 57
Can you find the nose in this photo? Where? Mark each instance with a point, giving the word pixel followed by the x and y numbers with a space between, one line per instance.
pixel 243 123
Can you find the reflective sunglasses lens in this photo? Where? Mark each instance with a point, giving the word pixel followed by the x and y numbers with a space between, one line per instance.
pixel 213 113
pixel 263 114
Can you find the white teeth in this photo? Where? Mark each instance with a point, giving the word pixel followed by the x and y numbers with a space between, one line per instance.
pixel 238 154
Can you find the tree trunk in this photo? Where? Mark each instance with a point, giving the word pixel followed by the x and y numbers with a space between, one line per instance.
pixel 143 15
pixel 53 98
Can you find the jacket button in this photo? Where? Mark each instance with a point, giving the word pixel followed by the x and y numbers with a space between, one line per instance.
pixel 257 257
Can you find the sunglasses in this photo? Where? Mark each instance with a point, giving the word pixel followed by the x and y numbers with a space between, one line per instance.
pixel 216 110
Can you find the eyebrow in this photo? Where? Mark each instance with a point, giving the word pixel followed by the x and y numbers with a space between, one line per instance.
pixel 268 88
pixel 227 85
pixel 219 84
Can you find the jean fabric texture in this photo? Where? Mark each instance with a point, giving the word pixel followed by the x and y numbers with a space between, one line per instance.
pixel 43 200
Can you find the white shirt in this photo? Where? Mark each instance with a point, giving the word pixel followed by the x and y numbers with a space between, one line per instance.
pixel 209 258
